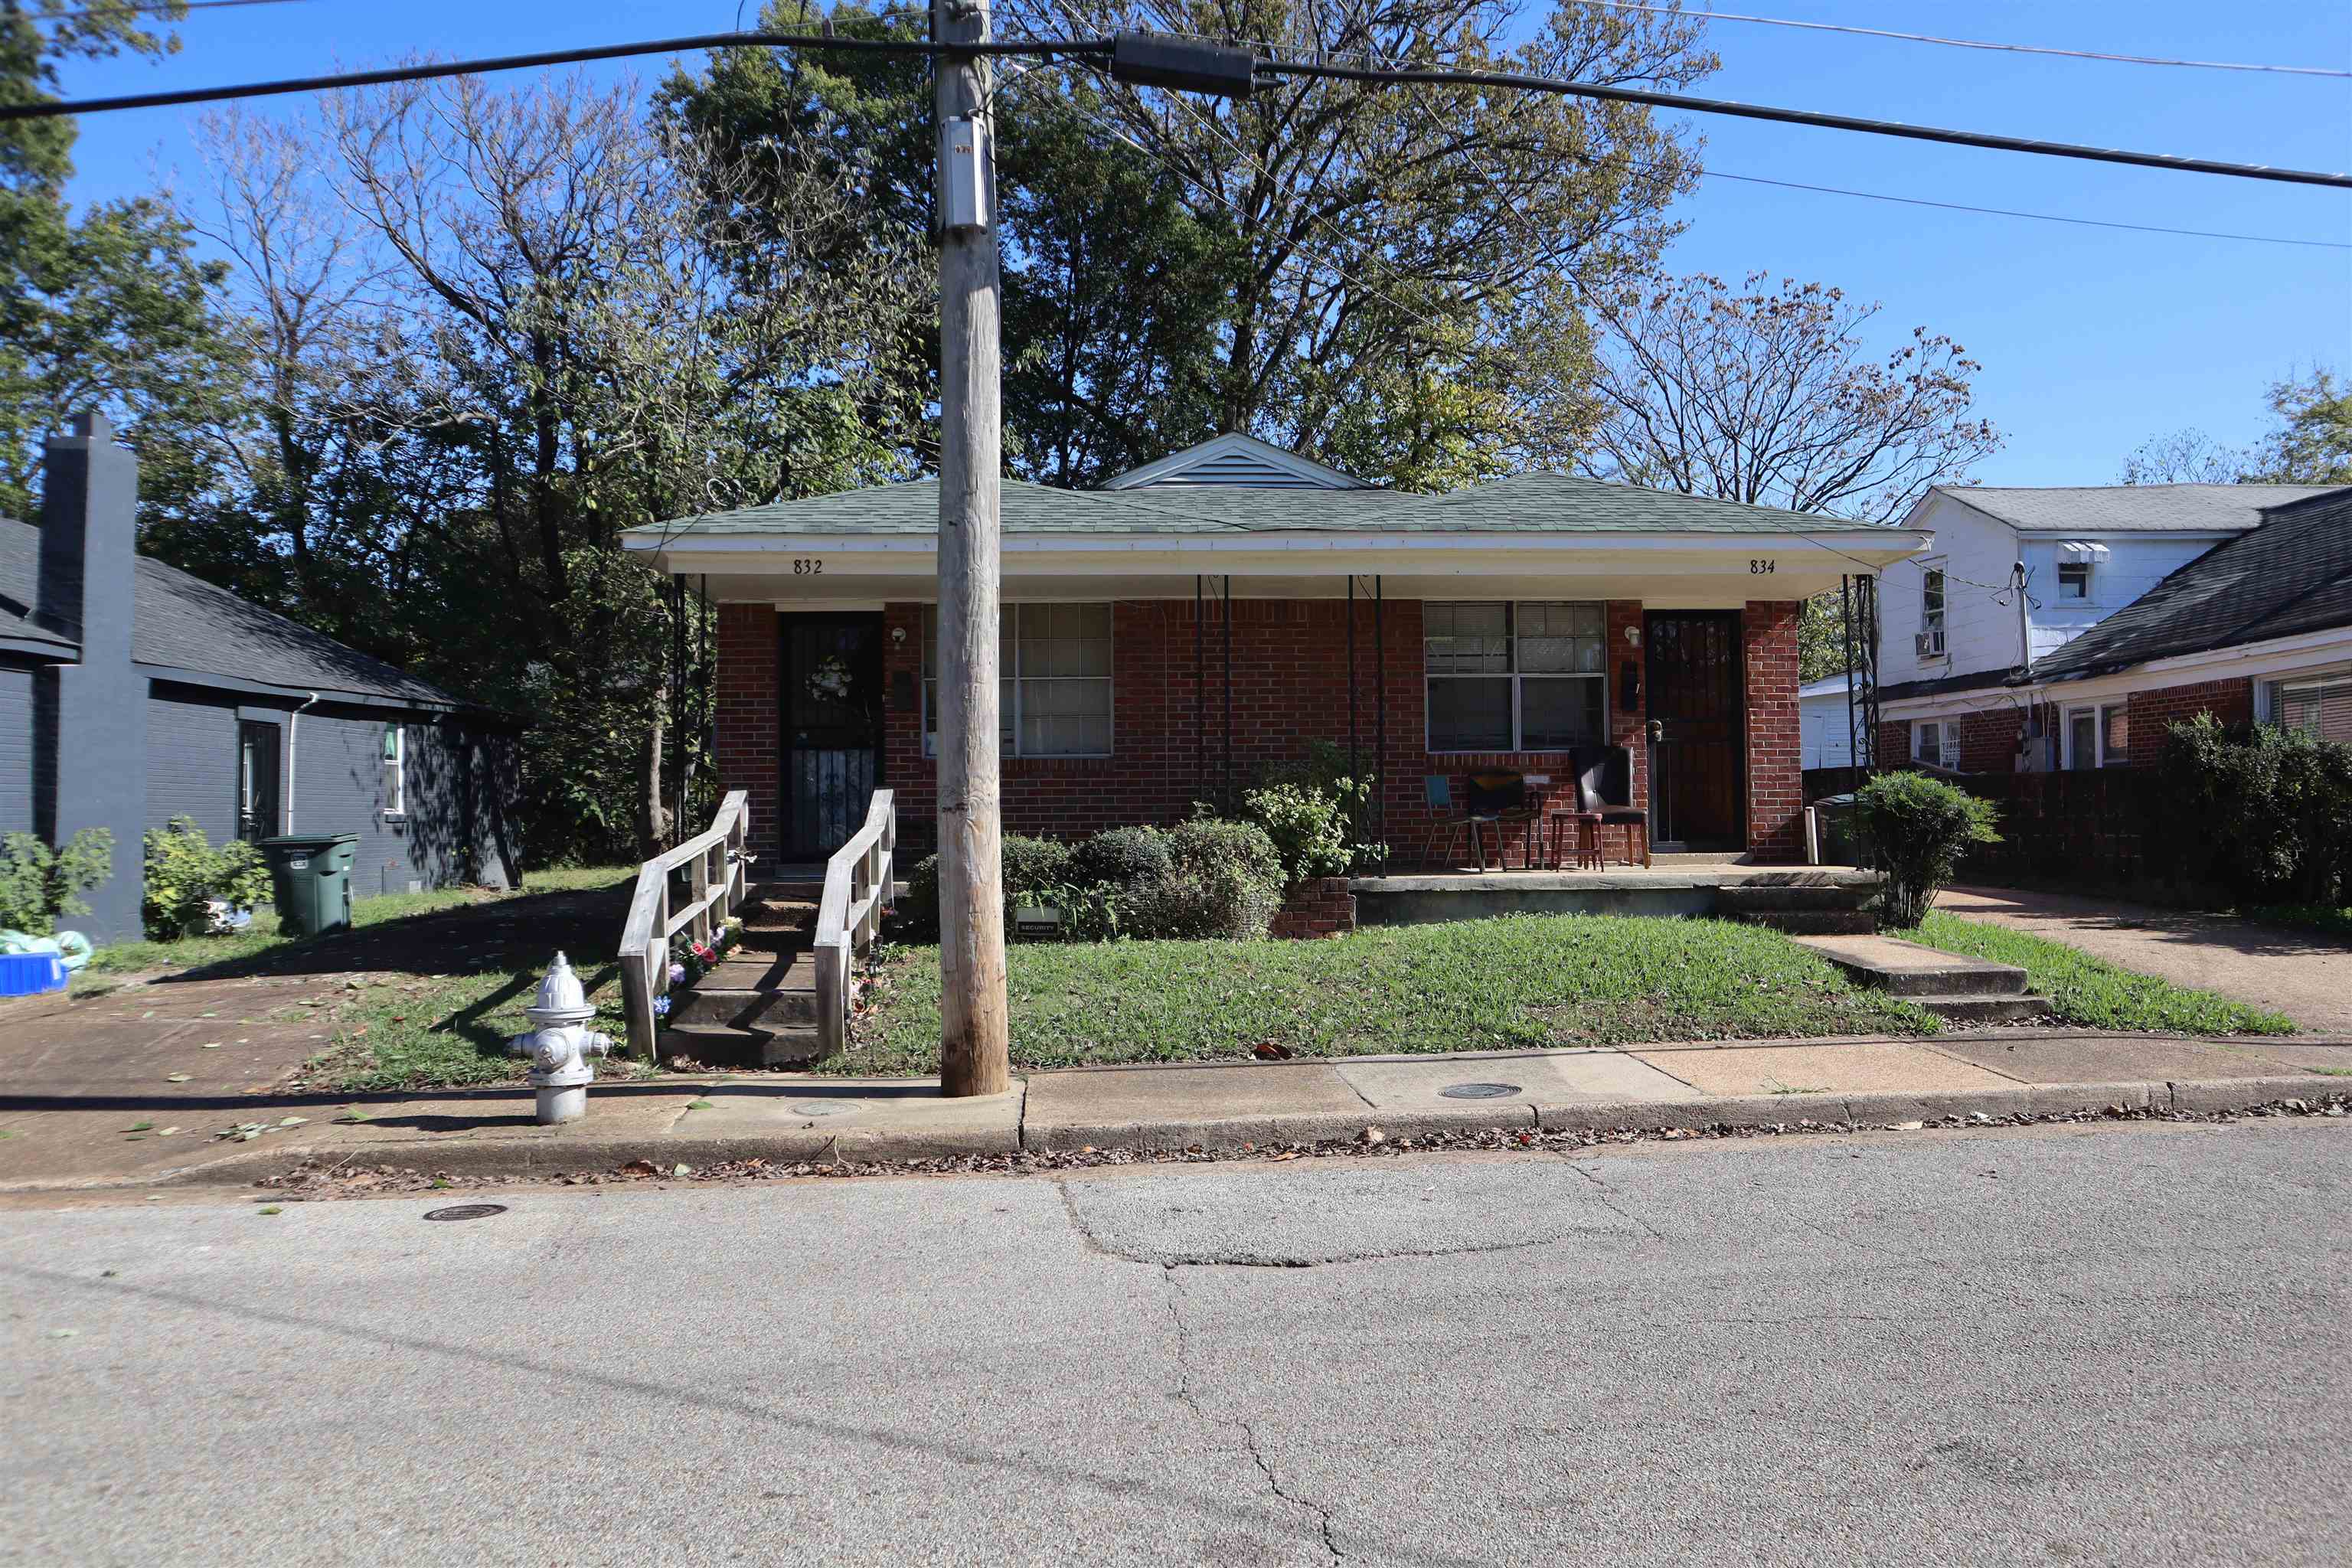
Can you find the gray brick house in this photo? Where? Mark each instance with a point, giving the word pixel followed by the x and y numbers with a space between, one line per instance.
pixel 131 692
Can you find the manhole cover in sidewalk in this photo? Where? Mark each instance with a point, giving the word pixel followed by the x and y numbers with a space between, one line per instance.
pixel 1480 1091
pixel 468 1211
pixel 825 1107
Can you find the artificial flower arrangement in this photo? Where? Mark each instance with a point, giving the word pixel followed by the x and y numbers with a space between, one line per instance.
pixel 690 960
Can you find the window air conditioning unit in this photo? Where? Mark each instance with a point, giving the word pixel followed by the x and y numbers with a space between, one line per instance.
pixel 1928 645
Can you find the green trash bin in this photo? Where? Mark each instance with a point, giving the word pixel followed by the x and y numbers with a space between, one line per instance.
pixel 311 878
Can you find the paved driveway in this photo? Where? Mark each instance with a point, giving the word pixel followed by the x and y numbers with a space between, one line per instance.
pixel 2308 978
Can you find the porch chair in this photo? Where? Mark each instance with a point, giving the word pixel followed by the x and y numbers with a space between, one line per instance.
pixel 1501 797
pixel 1437 792
pixel 1604 790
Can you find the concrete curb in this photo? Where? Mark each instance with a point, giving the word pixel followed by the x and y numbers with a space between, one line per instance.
pixel 527 1156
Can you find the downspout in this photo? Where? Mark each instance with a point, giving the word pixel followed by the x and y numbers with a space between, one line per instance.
pixel 2025 667
pixel 293 752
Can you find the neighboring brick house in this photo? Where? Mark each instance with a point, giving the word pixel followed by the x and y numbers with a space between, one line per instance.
pixel 2256 627
pixel 131 692
pixel 1169 639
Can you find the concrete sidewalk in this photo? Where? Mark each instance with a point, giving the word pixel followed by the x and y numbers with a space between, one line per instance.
pixel 2308 977
pixel 700 1121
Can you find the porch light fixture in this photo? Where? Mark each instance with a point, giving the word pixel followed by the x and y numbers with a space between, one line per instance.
pixel 1182 65
pixel 1634 637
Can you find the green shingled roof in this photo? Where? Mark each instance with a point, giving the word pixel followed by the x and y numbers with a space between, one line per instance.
pixel 1525 503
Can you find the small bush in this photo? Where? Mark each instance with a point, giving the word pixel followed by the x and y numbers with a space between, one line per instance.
pixel 1917 829
pixel 1120 857
pixel 1224 881
pixel 2265 812
pixel 38 883
pixel 1309 827
pixel 1325 771
pixel 1034 868
pixel 184 873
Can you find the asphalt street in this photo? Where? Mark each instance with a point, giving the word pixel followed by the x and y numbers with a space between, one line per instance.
pixel 2085 1345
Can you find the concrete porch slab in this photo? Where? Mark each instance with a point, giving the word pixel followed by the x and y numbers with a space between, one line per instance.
pixel 1797 1072
pixel 1595 1077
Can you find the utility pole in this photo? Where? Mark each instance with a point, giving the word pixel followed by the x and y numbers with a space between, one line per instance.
pixel 975 1032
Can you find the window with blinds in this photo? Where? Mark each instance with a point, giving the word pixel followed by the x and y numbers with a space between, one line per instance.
pixel 2321 707
pixel 1506 677
pixel 1054 685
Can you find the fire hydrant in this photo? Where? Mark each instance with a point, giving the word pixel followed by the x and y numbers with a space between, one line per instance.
pixel 560 1045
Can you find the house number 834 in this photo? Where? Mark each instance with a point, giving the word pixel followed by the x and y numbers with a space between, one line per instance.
pixel 1760 568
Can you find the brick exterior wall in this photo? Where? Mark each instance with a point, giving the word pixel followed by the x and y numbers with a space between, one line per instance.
pixel 1989 741
pixel 2152 713
pixel 1290 685
pixel 746 716
pixel 1323 907
pixel 1776 756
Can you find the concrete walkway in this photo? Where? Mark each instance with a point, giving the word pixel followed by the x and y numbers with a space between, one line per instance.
pixel 2308 977
pixel 82 1140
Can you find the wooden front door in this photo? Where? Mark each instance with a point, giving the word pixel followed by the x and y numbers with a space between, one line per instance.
pixel 832 729
pixel 1699 729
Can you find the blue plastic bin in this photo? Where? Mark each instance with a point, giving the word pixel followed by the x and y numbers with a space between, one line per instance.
pixel 31 973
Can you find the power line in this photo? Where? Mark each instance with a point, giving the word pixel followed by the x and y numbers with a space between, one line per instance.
pixel 1518 81
pixel 1961 43
pixel 44 110
pixel 2010 212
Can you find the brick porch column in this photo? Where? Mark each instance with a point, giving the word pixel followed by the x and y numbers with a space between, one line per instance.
pixel 1776 780
pixel 747 715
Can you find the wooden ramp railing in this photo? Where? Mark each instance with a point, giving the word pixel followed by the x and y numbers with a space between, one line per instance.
pixel 717 877
pixel 849 913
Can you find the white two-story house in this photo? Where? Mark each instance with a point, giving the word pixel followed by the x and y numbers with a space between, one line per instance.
pixel 2013 576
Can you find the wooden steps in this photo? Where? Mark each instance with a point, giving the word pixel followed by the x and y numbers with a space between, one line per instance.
pixel 757 1008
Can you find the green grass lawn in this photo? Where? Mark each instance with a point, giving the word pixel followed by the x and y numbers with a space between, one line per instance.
pixel 1519 981
pixel 2091 994
pixel 2320 920
pixel 440 979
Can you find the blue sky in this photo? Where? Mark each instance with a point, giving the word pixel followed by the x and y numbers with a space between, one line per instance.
pixel 2091 340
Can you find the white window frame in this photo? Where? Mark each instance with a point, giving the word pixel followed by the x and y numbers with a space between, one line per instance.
pixel 1947 744
pixel 1009 684
pixel 2097 713
pixel 1518 679
pixel 2090 583
pixel 396 770
pixel 1939 626
pixel 2270 690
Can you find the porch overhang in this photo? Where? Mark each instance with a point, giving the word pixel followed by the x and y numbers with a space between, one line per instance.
pixel 1669 571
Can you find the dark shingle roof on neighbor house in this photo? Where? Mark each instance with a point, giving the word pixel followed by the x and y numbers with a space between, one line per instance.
pixel 1525 503
pixel 2130 509
pixel 185 623
pixel 2292 575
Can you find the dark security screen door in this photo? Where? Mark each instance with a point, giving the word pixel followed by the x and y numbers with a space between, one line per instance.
pixel 256 781
pixel 832 729
pixel 1698 754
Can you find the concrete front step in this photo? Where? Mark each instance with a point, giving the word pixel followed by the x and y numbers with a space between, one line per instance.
pixel 1808 923
pixel 1909 969
pixel 1985 1009
pixel 723 1046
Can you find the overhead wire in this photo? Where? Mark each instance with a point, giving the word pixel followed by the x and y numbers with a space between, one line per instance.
pixel 1960 43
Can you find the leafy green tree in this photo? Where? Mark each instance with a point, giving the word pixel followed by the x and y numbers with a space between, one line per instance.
pixel 2309 444
pixel 108 308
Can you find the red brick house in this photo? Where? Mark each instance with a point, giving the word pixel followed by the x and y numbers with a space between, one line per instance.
pixel 1168 638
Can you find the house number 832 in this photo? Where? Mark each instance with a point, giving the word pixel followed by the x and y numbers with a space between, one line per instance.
pixel 1758 568
pixel 807 566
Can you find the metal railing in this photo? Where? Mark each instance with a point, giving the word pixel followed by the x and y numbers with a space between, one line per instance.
pixel 849 913
pixel 717 877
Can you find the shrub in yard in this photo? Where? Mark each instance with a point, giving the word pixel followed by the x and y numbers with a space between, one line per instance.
pixel 2265 812
pixel 38 883
pixel 1224 881
pixel 1309 827
pixel 186 873
pixel 1326 772
pixel 1917 828
pixel 1120 857
pixel 1033 869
